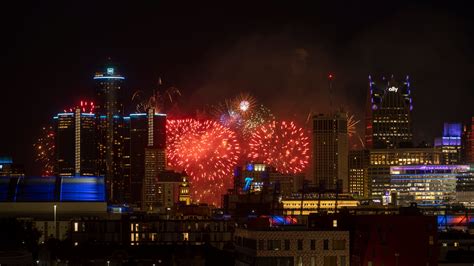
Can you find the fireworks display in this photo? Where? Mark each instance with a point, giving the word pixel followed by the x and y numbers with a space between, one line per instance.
pixel 282 145
pixel 244 104
pixel 156 101
pixel 228 116
pixel 351 125
pixel 242 114
pixel 45 150
pixel 259 116
pixel 85 106
pixel 207 152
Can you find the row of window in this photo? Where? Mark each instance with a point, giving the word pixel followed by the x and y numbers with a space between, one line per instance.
pixel 337 244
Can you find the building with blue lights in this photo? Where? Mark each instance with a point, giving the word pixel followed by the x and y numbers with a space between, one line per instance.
pixel 8 168
pixel 109 100
pixel 380 161
pixel 388 114
pixel 259 177
pixel 76 144
pixel 450 143
pixel 52 189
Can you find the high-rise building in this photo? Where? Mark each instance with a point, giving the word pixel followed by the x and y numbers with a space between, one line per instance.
pixel 468 142
pixel 359 173
pixel 76 150
pixel 330 151
pixel 450 143
pixel 147 142
pixel 110 111
pixel 151 171
pixel 388 115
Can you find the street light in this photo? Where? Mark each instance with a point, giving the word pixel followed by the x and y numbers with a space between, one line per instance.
pixel 55 207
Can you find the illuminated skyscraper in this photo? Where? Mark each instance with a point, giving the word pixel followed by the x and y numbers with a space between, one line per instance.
pixel 110 110
pixel 76 150
pixel 330 151
pixel 147 142
pixel 388 117
pixel 450 143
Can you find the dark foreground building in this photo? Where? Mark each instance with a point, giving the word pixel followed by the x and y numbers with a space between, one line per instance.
pixel 408 238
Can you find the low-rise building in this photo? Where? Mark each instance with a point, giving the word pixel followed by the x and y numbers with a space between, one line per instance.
pixel 291 245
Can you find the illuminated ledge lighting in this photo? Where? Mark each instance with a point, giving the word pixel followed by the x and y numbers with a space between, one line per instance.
pixel 65 114
pixel 157 114
pixel 126 117
pixel 109 77
pixel 87 114
pixel 139 114
pixel 430 167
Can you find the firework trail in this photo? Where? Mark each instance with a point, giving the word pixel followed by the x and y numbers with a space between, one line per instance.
pixel 282 145
pixel 157 100
pixel 45 150
pixel 351 125
pixel 207 152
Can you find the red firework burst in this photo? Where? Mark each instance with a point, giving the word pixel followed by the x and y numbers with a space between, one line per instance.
pixel 282 145
pixel 207 151
pixel 85 106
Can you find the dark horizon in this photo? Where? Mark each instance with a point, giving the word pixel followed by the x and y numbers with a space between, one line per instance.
pixel 215 52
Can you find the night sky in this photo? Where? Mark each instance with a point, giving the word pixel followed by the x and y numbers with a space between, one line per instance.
pixel 280 53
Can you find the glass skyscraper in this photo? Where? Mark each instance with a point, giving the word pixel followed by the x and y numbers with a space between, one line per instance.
pixel 109 106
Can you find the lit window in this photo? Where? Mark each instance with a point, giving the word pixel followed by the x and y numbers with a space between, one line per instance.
pixel 334 223
pixel 185 236
pixel 76 227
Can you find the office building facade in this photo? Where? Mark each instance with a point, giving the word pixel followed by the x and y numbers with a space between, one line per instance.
pixel 146 157
pixel 380 161
pixel 76 144
pixel 450 143
pixel 109 100
pixel 291 246
pixel 428 185
pixel 468 142
pixel 359 173
pixel 330 151
pixel 259 177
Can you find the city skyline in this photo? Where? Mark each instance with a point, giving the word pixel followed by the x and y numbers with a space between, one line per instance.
pixel 218 64
pixel 325 133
